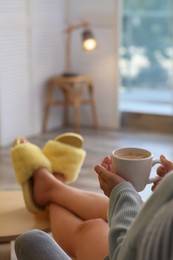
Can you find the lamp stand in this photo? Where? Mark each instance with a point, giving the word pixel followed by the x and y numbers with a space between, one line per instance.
pixel 69 31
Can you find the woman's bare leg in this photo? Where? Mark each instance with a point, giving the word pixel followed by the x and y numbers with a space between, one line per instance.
pixel 86 205
pixel 78 218
pixel 81 240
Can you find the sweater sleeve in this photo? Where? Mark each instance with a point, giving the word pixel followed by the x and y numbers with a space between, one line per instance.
pixel 161 195
pixel 124 205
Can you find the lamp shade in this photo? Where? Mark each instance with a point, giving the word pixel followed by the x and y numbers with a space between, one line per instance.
pixel 88 39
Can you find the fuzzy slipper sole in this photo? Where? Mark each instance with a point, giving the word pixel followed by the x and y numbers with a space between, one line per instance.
pixel 66 155
pixel 26 159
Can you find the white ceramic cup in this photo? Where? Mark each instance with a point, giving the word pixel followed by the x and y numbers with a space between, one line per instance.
pixel 134 165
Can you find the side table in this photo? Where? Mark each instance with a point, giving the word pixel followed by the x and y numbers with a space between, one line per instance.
pixel 72 88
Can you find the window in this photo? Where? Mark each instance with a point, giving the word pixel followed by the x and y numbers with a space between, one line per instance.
pixel 146 56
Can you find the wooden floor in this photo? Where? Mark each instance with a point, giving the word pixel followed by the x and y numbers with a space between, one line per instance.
pixel 97 144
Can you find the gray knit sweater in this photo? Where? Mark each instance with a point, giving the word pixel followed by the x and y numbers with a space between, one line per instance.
pixel 131 223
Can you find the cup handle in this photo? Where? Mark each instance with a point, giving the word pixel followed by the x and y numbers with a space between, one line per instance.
pixel 157 178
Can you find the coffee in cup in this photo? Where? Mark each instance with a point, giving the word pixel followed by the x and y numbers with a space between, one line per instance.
pixel 134 165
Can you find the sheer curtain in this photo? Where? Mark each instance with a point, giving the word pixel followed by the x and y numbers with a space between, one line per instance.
pixel 31 50
pixel 147 56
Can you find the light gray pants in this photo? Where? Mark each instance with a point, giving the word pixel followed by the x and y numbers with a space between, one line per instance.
pixel 38 245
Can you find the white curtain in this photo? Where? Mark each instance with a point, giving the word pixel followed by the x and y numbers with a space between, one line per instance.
pixel 31 50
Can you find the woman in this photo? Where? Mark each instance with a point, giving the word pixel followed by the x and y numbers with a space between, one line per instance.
pixel 78 219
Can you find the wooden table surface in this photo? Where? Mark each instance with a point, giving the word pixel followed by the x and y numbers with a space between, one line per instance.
pixel 15 219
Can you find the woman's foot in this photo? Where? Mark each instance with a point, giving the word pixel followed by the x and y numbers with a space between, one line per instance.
pixel 43 185
pixel 59 176
pixel 26 159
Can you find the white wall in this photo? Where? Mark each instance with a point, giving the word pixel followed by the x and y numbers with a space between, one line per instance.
pixel 31 50
pixel 102 64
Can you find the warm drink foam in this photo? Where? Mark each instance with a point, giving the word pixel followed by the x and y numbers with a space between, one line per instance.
pixel 131 156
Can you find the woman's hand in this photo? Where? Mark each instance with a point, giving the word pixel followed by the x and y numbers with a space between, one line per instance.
pixel 107 178
pixel 163 169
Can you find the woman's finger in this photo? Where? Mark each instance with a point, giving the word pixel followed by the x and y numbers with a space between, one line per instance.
pixel 161 171
pixel 166 163
pixel 101 171
pixel 155 184
pixel 106 160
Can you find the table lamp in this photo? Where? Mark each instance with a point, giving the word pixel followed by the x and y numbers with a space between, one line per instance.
pixel 88 42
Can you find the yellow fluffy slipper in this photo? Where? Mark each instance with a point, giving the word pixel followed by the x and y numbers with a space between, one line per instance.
pixel 66 155
pixel 27 158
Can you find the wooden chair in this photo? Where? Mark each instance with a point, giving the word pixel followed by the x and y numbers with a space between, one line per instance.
pixel 15 219
pixel 72 88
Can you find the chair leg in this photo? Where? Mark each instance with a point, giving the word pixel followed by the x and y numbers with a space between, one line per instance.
pixel 66 108
pixel 45 120
pixel 76 104
pixel 49 95
pixel 95 121
pixel 93 107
